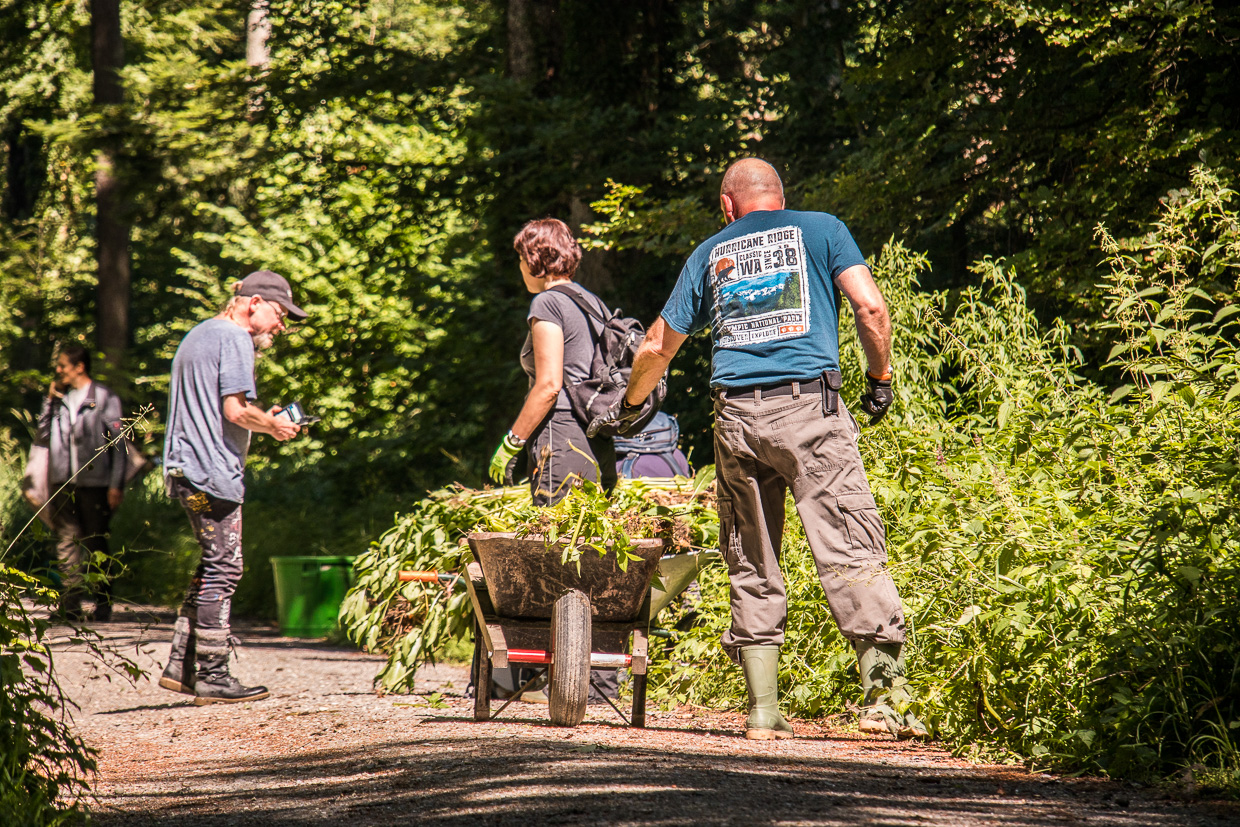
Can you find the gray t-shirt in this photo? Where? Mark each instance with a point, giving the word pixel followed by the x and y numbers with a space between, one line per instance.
pixel 214 360
pixel 562 311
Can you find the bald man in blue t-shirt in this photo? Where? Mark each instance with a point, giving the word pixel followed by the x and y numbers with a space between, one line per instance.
pixel 768 286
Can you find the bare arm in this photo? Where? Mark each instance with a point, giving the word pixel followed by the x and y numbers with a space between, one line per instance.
pixel 548 377
pixel 652 359
pixel 873 321
pixel 239 411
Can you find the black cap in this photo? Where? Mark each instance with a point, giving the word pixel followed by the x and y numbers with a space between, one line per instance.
pixel 268 285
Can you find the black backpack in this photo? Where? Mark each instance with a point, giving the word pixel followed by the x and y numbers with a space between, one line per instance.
pixel 615 344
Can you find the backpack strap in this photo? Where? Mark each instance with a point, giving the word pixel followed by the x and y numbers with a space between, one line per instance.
pixel 580 301
pixel 596 361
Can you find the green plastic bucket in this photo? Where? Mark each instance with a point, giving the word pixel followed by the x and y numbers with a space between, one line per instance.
pixel 309 591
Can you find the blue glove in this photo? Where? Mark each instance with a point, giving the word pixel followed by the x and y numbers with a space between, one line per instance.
pixel 504 463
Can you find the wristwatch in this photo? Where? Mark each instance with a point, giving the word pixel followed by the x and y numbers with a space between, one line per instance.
pixel 515 440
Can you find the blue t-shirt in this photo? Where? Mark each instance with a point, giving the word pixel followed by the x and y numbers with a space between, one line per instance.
pixel 766 287
pixel 214 360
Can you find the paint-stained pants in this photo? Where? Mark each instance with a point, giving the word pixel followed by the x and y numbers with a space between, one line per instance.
pixel 217 526
pixel 763 446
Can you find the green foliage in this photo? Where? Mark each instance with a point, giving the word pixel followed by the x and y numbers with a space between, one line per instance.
pixel 44 767
pixel 634 221
pixel 1014 128
pixel 411 621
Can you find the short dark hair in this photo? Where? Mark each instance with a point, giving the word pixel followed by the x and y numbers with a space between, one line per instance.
pixel 77 355
pixel 548 248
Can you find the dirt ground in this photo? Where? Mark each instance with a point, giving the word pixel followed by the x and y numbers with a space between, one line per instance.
pixel 324 749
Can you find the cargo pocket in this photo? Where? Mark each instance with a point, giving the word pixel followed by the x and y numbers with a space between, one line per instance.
pixel 729 537
pixel 862 524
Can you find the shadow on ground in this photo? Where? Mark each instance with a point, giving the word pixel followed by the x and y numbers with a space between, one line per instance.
pixel 448 781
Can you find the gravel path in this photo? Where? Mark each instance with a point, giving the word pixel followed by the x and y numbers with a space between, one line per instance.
pixel 326 750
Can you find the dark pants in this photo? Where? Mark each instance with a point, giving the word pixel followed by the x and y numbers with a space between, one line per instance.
pixel 80 518
pixel 559 449
pixel 208 601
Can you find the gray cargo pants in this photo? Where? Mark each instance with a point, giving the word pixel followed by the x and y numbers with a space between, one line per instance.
pixel 763 446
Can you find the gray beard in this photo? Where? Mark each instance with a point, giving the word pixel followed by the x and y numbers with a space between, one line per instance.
pixel 262 341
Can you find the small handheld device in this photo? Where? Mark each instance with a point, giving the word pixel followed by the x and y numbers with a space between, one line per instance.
pixel 293 413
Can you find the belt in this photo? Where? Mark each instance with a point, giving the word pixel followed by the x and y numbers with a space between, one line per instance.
pixel 795 388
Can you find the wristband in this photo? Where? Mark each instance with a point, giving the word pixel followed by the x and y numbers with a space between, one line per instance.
pixel 886 377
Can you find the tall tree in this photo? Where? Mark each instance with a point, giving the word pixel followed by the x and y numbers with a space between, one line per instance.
pixel 112 224
pixel 257 54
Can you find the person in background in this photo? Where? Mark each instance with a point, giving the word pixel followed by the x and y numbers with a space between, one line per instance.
pixel 211 414
pixel 769 286
pixel 81 425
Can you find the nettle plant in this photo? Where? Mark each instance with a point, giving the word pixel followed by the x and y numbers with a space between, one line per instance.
pixel 1069 555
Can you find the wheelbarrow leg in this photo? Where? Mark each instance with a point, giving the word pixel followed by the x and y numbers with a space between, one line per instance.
pixel 639 701
pixel 481 673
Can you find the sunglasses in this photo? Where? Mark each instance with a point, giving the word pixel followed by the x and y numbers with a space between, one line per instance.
pixel 281 313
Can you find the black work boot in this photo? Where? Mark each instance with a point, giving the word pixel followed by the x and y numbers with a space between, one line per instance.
pixel 216 685
pixel 179 674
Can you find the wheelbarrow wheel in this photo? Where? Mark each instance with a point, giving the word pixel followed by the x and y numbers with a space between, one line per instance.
pixel 481 673
pixel 568 687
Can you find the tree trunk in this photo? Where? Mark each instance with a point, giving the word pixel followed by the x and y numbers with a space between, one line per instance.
pixel 533 40
pixel 594 272
pixel 521 48
pixel 111 220
pixel 257 55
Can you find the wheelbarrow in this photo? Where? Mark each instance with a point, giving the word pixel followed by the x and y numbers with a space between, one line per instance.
pixel 532 609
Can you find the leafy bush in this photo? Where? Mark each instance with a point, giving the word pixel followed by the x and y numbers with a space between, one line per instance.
pixel 44 766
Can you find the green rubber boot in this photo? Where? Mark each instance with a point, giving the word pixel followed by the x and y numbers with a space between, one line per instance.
pixel 886 705
pixel 761 666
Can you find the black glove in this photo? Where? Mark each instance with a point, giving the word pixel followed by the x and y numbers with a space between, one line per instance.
pixel 619 415
pixel 877 397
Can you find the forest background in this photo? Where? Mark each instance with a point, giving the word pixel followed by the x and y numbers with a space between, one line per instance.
pixel 382 154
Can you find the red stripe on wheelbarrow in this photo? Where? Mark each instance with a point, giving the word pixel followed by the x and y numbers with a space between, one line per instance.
pixel 598 660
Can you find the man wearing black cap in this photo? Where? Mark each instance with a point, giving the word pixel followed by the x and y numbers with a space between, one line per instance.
pixel 210 418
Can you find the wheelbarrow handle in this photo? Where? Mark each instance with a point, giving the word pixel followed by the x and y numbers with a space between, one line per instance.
pixel 426 577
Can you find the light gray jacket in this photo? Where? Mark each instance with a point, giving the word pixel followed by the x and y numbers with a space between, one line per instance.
pixel 98 423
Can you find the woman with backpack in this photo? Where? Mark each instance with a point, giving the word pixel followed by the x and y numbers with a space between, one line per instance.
pixel 559 347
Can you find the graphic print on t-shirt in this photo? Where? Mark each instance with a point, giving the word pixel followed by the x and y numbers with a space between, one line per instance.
pixel 760 287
